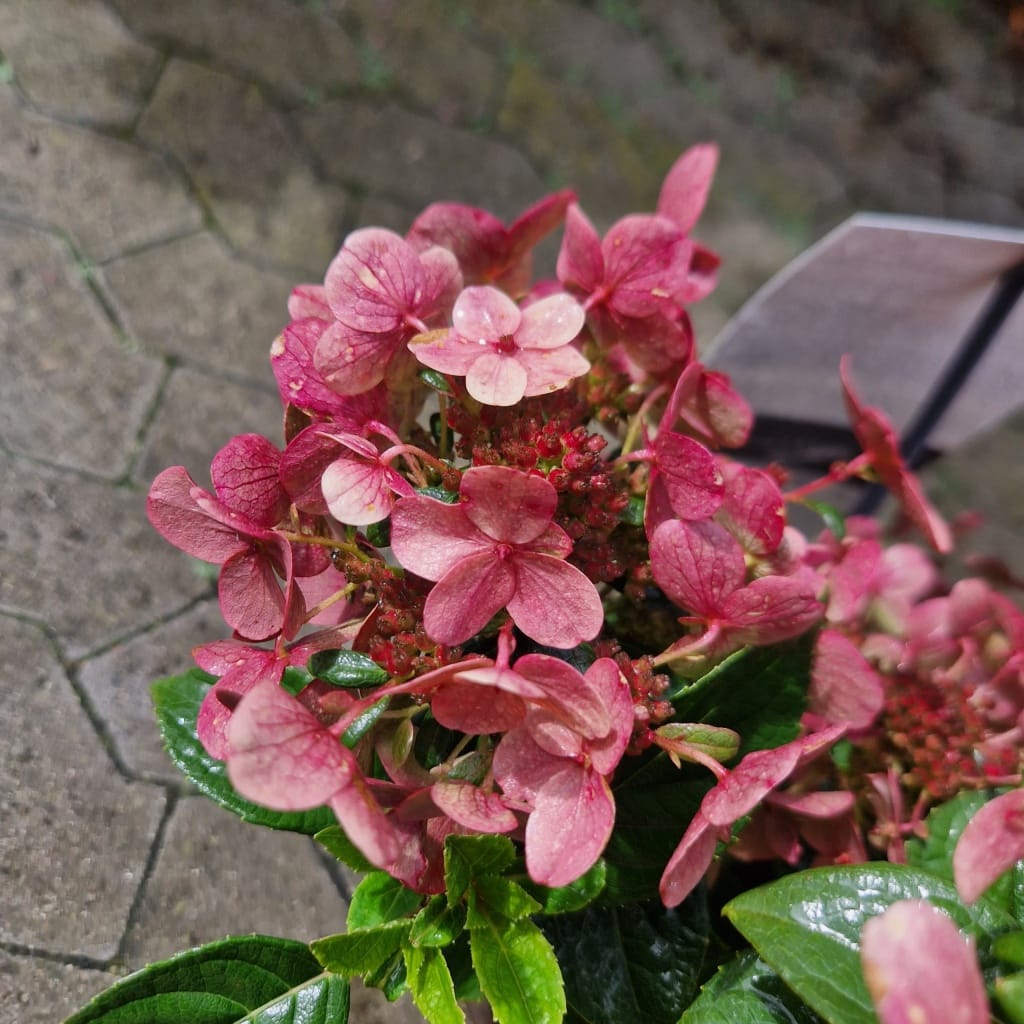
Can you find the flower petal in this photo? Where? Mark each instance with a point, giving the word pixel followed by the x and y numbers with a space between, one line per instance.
pixel 550 370
pixel 467 597
pixel 471 807
pixel 690 475
pixel 550 323
pixel 496 379
pixel 580 261
pixel 428 536
pixel 246 477
pixel 689 862
pixel 251 599
pixel 844 686
pixel 510 506
pixel 352 361
pixel 554 603
pixel 698 565
pixel 357 492
pixel 684 192
pixel 990 844
pixel 485 314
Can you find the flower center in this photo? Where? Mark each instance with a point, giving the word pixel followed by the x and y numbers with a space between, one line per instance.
pixel 506 344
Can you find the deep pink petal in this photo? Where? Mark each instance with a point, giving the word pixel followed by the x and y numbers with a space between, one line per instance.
pixel 578 701
pixel 920 968
pixel 352 361
pixel 485 314
pixel 604 678
pixel 580 261
pixel 467 597
pixel 684 192
pixel 554 603
pixel 537 222
pixel 990 844
pixel 298 381
pixel 844 686
pixel 521 767
pixel 508 505
pixel 476 237
pixel 553 735
pixel 698 565
pixel 710 406
pixel 646 260
pixel 772 609
pixel 550 370
pixel 690 475
pixel 749 782
pixel 442 281
pixel 496 378
pixel 701 278
pixel 553 541
pixel 752 510
pixel 476 710
pixel 569 826
pixel 280 756
pixel 251 599
pixel 658 344
pixel 357 492
pixel 308 454
pixel 550 323
pixel 471 807
pixel 512 682
pixel 428 537
pixel 245 474
pixel 689 862
pixel 173 510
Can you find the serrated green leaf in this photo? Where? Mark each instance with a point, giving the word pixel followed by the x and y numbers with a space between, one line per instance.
pixel 635 963
pixel 490 896
pixel 518 972
pixel 253 979
pixel 469 857
pixel 339 846
pixel 1009 993
pixel 572 897
pixel 437 924
pixel 389 977
pixel 460 964
pixel 430 985
pixel 361 952
pixel 747 991
pixel 177 700
pixel 347 668
pixel 365 722
pixel 807 927
pixel 379 898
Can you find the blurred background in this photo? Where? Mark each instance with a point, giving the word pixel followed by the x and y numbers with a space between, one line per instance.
pixel 170 168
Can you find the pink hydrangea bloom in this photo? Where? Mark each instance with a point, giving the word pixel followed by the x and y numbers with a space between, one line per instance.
pixel 919 967
pixel 504 352
pixel 990 844
pixel 497 548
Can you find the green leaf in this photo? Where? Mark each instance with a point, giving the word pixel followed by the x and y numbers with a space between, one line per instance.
pixel 747 991
pixel 517 970
pixel 469 857
pixel 574 896
pixel 807 927
pixel 254 979
pixel 833 519
pixel 434 379
pixel 379 898
pixel 633 513
pixel 295 680
pixel 431 986
pixel 379 534
pixel 365 722
pixel 437 924
pixel 439 494
pixel 1010 948
pixel 347 668
pixel 490 896
pixel 177 700
pixel 640 962
pixel 339 846
pixel 1010 997
pixel 363 951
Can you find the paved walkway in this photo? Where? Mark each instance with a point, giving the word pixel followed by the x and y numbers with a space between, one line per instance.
pixel 169 170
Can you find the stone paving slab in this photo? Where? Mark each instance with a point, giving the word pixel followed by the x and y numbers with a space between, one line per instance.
pixel 75 59
pixel 50 326
pixel 109 196
pixel 243 163
pixel 37 991
pixel 75 835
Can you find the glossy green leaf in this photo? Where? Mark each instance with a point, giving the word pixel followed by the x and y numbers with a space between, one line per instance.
pixel 347 668
pixel 339 846
pixel 640 962
pixel 365 722
pixel 379 898
pixel 498 896
pixel 379 534
pixel 517 971
pixel 253 979
pixel 833 519
pixel 295 680
pixel 436 380
pixel 574 896
pixel 177 700
pixel 1009 948
pixel 807 927
pixel 439 494
pixel 469 857
pixel 633 513
pixel 747 991
pixel 430 985
pixel 361 952
pixel 437 924
pixel 1009 992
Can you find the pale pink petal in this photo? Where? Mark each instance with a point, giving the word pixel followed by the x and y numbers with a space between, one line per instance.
pixel 309 300
pixel 484 314
pixel 352 361
pixel 428 536
pixel 844 686
pixel 245 474
pixel 689 474
pixel 446 352
pixel 990 844
pixel 442 281
pixel 920 968
pixel 580 261
pixel 550 370
pixel 689 863
pixel 697 565
pixel 852 583
pixel 749 782
pixel 280 756
pixel 471 807
pixel 771 609
pixel 554 603
pixel 496 379
pixel 476 710
pixel 646 260
pixel 173 510
pixel 521 767
pixel 550 323
pixel 506 504
pixel 357 492
pixel 569 826
pixel 319 587
pixel 251 599
pixel 684 192
pixel 753 510
pixel 467 597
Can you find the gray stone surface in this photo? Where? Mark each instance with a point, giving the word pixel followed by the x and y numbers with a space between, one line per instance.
pixel 50 326
pixel 244 165
pixel 109 195
pixel 81 557
pixel 75 59
pixel 193 299
pixel 117 686
pixel 75 835
pixel 37 991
